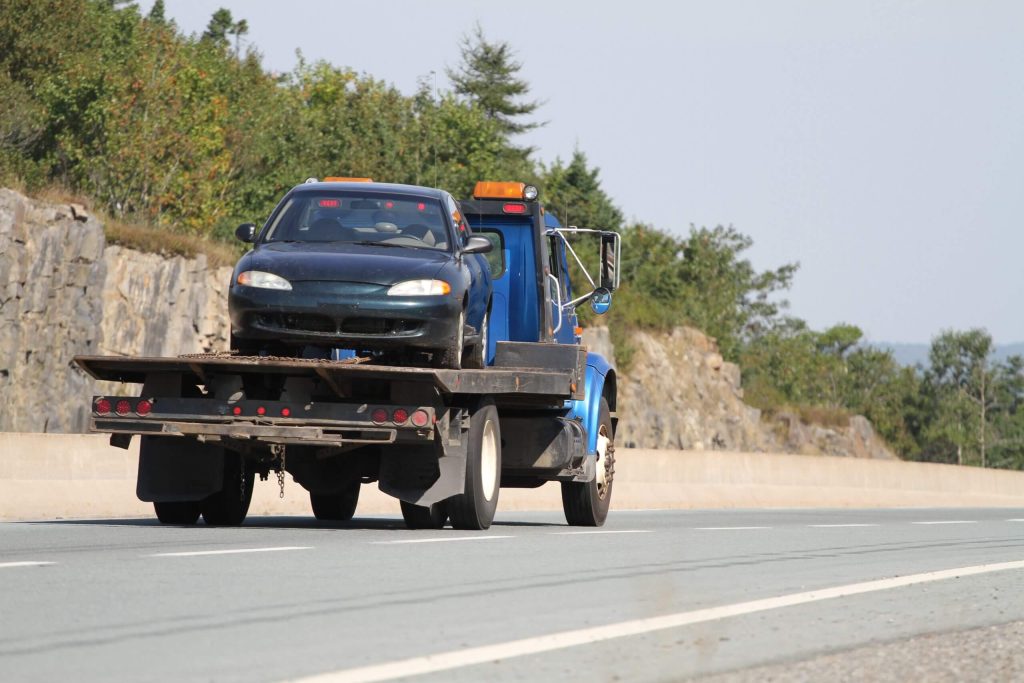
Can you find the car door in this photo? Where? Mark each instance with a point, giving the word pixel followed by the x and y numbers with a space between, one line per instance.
pixel 476 267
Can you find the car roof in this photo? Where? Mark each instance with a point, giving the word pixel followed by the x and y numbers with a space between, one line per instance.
pixel 372 188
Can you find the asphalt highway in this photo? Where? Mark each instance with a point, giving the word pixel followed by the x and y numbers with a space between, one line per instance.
pixel 652 596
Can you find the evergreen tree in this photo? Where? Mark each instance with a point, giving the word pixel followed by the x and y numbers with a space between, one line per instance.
pixel 573 191
pixel 158 13
pixel 488 77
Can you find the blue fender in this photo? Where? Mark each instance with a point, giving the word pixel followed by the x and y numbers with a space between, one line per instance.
pixel 588 410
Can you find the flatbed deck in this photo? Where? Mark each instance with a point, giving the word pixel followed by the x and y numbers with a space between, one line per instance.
pixel 552 383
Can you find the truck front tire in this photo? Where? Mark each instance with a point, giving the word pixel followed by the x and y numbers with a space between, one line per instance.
pixel 474 508
pixel 587 503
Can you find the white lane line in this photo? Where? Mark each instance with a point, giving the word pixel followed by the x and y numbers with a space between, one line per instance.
pixel 602 531
pixel 440 539
pixel 454 659
pixel 727 528
pixel 1015 520
pixel 948 521
pixel 26 563
pixel 836 526
pixel 232 551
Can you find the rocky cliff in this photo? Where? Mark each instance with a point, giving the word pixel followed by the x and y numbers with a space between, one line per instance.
pixel 64 292
pixel 680 393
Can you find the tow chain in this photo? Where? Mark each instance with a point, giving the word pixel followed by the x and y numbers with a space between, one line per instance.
pixel 278 450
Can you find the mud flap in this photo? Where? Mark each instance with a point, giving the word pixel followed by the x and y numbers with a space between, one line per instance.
pixel 177 469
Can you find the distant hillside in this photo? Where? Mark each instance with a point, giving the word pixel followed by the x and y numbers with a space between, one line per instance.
pixel 914 354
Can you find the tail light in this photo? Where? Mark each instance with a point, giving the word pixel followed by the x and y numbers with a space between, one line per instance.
pixel 420 418
pixel 380 416
pixel 123 407
pixel 102 406
pixel 400 416
pixel 143 408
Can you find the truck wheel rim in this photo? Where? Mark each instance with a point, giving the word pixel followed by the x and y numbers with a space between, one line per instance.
pixel 605 461
pixel 483 339
pixel 489 461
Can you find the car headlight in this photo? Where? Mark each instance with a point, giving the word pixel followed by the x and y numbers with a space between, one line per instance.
pixel 420 288
pixel 257 278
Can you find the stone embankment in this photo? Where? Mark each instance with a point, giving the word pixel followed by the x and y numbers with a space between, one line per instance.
pixel 64 292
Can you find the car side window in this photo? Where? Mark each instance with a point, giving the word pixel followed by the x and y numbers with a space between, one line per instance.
pixel 462 231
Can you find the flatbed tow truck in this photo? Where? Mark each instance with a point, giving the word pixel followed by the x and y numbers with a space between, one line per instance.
pixel 442 441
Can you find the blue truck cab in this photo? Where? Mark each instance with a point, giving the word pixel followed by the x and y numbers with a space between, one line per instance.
pixel 534 301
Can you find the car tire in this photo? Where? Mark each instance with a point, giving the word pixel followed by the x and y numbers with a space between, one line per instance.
pixel 587 503
pixel 229 506
pixel 425 516
pixel 336 507
pixel 477 356
pixel 474 508
pixel 178 512
pixel 451 356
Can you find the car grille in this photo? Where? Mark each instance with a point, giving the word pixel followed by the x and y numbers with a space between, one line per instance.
pixel 297 322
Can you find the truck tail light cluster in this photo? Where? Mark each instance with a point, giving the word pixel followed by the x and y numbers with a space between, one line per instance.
pixel 401 416
pixel 124 406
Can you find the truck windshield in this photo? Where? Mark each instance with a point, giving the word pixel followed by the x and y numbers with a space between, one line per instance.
pixel 364 219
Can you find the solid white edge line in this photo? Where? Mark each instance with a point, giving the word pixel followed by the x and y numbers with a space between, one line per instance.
pixel 231 551
pixel 602 531
pixel 26 563
pixel 439 539
pixel 836 526
pixel 454 659
pixel 947 521
pixel 1015 520
pixel 727 528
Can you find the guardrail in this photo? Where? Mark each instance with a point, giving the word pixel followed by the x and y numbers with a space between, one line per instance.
pixel 65 476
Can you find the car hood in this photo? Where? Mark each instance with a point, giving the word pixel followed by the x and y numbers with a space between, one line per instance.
pixel 339 262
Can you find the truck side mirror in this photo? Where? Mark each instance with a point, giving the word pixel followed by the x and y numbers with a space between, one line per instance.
pixel 600 300
pixel 610 250
pixel 477 244
pixel 246 232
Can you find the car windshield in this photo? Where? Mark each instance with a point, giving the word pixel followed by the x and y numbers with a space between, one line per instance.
pixel 396 220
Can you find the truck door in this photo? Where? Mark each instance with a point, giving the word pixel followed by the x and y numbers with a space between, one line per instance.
pixel 561 295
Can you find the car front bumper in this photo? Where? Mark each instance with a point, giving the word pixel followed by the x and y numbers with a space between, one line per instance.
pixel 343 315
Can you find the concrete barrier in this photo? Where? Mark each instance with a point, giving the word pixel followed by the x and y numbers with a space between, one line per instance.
pixel 64 476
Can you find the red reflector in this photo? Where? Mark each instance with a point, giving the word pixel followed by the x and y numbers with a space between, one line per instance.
pixel 237 410
pixel 330 203
pixel 102 406
pixel 389 205
pixel 261 411
pixel 380 416
pixel 400 416
pixel 143 407
pixel 285 412
pixel 421 206
pixel 514 208
pixel 420 418
pixel 123 407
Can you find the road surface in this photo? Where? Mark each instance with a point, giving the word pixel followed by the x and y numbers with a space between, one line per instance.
pixel 652 596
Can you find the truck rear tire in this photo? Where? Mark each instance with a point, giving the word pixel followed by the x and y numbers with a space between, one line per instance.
pixel 425 517
pixel 587 503
pixel 229 506
pixel 178 512
pixel 336 507
pixel 474 508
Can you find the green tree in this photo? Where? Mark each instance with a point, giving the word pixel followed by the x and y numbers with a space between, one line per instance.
pixel 573 191
pixel 488 77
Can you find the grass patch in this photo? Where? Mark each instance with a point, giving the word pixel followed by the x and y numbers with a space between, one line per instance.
pixel 152 240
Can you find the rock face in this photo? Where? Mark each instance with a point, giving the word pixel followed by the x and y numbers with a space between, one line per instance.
pixel 63 292
pixel 680 393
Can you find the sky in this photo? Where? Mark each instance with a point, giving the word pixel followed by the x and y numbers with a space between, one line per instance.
pixel 878 144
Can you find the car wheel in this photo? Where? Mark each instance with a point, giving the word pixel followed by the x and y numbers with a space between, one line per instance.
pixel 587 503
pixel 336 507
pixel 423 516
pixel 451 355
pixel 474 508
pixel 477 356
